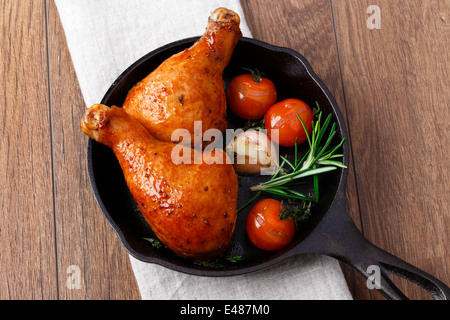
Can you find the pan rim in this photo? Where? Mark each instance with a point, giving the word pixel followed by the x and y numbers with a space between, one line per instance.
pixel 232 271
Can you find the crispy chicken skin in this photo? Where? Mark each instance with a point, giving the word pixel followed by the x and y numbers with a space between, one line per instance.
pixel 191 208
pixel 188 86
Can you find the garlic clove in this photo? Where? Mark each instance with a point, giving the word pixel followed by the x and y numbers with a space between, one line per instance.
pixel 254 152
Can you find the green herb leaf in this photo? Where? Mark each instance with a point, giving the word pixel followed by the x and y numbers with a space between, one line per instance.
pixel 295 212
pixel 255 125
pixel 317 160
pixel 154 242
pixel 219 261
pixel 249 202
pixel 234 258
pixel 316 185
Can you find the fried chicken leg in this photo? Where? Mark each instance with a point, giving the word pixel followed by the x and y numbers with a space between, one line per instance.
pixel 191 208
pixel 188 86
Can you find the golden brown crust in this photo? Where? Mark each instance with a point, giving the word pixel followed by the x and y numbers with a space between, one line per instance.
pixel 190 207
pixel 188 86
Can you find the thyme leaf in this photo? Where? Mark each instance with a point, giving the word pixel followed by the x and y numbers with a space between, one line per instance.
pixel 154 242
pixel 295 212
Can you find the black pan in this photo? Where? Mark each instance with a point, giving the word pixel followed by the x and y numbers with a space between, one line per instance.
pixel 329 231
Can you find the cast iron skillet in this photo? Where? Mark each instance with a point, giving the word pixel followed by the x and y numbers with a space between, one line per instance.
pixel 329 231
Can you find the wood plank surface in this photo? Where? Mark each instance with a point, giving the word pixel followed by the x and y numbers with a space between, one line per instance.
pixel 396 82
pixel 391 84
pixel 27 237
pixel 311 33
pixel 84 237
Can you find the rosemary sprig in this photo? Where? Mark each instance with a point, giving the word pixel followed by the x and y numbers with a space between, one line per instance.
pixel 250 201
pixel 319 159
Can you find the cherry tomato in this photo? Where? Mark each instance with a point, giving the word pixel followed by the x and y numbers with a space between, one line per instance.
pixel 283 116
pixel 264 227
pixel 249 96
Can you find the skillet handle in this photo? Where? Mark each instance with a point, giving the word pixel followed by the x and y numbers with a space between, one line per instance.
pixel 341 239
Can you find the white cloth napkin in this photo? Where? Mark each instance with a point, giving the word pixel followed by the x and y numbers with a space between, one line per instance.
pixel 104 38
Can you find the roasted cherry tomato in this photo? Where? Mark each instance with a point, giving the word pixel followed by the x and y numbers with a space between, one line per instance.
pixel 249 96
pixel 264 227
pixel 283 116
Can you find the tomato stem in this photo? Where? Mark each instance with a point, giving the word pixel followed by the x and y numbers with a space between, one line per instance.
pixel 256 74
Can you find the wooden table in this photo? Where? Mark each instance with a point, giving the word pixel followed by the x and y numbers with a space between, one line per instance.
pixel 392 85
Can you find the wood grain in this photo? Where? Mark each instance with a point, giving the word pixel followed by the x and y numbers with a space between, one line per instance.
pixel 307 27
pixel 84 238
pixel 27 232
pixel 391 85
pixel 396 82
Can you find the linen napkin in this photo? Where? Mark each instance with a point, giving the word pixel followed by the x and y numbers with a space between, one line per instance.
pixel 104 38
